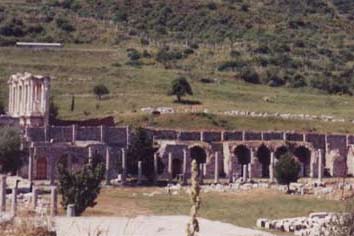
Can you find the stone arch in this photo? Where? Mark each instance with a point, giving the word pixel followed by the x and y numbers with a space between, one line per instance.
pixel 263 155
pixel 176 167
pixel 303 155
pixel 279 151
pixel 41 168
pixel 199 154
pixel 243 155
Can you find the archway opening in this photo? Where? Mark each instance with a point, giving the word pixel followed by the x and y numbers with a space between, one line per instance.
pixel 198 154
pixel 280 152
pixel 41 168
pixel 263 154
pixel 243 155
pixel 176 167
pixel 303 155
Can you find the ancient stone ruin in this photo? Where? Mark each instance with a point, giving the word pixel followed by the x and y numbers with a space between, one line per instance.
pixel 228 154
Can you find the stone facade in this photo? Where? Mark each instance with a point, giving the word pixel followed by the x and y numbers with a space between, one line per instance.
pixel 29 99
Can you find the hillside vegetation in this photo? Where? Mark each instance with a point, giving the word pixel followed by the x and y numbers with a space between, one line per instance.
pixel 236 53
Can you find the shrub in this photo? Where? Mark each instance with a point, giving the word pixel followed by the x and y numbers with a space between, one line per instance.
pixel 298 81
pixel 13 28
pixel 64 24
pixel 134 55
pixel 120 16
pixel 11 156
pixel 231 65
pixel 82 187
pixel 146 54
pixel 180 87
pixel 250 76
pixel 188 51
pixel 287 170
pixel 165 55
pixel 100 90
pixel 235 54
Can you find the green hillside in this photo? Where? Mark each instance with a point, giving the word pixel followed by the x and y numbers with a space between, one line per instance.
pixel 264 56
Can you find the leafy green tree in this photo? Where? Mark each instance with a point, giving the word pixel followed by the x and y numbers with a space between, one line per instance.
pixel 11 156
pixel 141 149
pixel 287 170
pixel 100 90
pixel 82 187
pixel 180 87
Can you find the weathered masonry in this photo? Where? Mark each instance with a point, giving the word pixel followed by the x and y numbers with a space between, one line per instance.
pixel 220 154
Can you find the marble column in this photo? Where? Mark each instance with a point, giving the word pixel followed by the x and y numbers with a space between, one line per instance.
pixel 156 168
pixel 169 167
pixel 230 169
pixel 34 197
pixel 216 168
pixel 244 178
pixel 2 193
pixel 70 210
pixel 201 173
pixel 53 201
pixel 124 166
pixel 140 172
pixel 10 97
pixel 320 167
pixel 271 167
pixel 108 167
pixel 30 164
pixel 14 201
pixel 184 167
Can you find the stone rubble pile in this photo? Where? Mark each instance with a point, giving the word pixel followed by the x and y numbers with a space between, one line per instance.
pixel 320 223
pixel 285 116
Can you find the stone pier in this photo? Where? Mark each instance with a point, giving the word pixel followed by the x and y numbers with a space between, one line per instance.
pixel 53 201
pixel 170 167
pixel 2 193
pixel 185 167
pixel 124 166
pixel 108 167
pixel 34 199
pixel 14 201
pixel 216 168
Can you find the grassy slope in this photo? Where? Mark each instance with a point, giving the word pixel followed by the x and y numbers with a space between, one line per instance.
pixel 77 68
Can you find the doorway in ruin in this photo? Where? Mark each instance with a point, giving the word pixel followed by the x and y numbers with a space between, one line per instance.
pixel 41 168
pixel 176 167
pixel 263 154
pixel 303 155
pixel 243 155
pixel 197 153
pixel 281 151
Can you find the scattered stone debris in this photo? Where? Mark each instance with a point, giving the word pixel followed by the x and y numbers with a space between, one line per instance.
pixel 319 223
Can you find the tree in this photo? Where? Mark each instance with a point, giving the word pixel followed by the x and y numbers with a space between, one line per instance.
pixel 72 108
pixel 287 170
pixel 141 149
pixel 53 110
pixel 82 187
pixel 11 155
pixel 100 90
pixel 180 88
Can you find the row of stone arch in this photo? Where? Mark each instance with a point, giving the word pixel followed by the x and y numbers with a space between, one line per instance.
pixel 263 154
